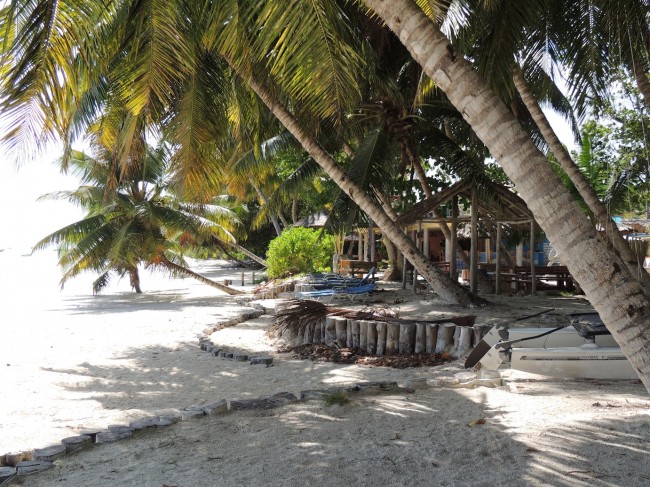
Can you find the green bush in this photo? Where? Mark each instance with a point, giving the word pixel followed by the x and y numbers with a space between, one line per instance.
pixel 299 250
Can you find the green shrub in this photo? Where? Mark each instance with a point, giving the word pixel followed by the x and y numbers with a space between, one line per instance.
pixel 299 250
pixel 338 398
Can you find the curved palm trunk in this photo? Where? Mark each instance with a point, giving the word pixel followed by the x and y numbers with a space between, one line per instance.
pixel 441 284
pixel 185 271
pixel 613 291
pixel 265 201
pixel 244 251
pixel 134 279
pixel 580 182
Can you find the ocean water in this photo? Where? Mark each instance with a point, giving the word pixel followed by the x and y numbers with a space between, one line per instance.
pixel 31 282
pixel 30 286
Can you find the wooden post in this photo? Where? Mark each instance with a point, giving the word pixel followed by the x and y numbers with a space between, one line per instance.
pixel 341 331
pixel 445 341
pixel 463 340
pixel 354 324
pixel 330 330
pixel 360 245
pixel 371 346
pixel 425 243
pixel 453 272
pixel 406 338
pixel 415 281
pixel 253 283
pixel 404 267
pixel 473 270
pixel 531 251
pixel 371 241
pixel 348 334
pixel 381 338
pixel 392 338
pixel 519 254
pixel 497 269
pixel 308 334
pixel 420 337
pixel 415 272
pixel 431 337
pixel 363 335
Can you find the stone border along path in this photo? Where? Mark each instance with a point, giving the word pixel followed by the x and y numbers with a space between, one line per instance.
pixel 17 464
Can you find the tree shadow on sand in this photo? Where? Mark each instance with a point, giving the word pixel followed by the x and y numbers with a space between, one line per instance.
pixel 412 437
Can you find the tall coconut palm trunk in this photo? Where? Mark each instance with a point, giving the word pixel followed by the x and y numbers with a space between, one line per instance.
pixel 179 269
pixel 441 284
pixel 244 251
pixel 580 182
pixel 613 291
pixel 134 280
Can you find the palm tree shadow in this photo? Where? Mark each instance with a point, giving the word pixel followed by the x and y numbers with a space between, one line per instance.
pixel 425 437
pixel 169 300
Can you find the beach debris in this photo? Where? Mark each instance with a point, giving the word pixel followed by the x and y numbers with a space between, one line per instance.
pixel 476 422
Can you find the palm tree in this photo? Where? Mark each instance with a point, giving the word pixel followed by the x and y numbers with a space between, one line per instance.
pixel 614 292
pixel 515 48
pixel 135 224
pixel 157 62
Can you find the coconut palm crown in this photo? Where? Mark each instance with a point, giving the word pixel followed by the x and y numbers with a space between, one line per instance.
pixel 136 223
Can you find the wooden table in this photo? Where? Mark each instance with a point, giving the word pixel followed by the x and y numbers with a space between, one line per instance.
pixel 356 267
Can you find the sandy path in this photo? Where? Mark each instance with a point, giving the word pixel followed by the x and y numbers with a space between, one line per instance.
pixel 110 359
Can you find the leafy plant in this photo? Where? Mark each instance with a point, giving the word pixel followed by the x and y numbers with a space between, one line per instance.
pixel 299 250
pixel 336 398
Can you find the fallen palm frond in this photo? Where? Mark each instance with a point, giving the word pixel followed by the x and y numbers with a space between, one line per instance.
pixel 293 316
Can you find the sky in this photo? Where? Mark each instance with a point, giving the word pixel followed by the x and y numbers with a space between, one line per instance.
pixel 26 220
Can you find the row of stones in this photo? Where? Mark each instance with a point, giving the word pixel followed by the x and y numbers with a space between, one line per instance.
pixel 206 344
pixel 31 462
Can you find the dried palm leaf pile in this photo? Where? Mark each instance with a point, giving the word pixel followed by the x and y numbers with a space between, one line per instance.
pixel 294 316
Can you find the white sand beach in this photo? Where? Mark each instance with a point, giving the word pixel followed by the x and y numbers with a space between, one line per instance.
pixel 73 361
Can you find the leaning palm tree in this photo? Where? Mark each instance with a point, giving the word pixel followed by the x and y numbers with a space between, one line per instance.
pixel 133 224
pixel 608 284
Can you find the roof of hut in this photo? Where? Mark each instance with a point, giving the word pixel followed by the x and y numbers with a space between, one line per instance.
pixel 315 220
pixel 495 202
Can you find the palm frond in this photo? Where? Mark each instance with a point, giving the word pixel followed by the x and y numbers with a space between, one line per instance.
pixel 311 51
